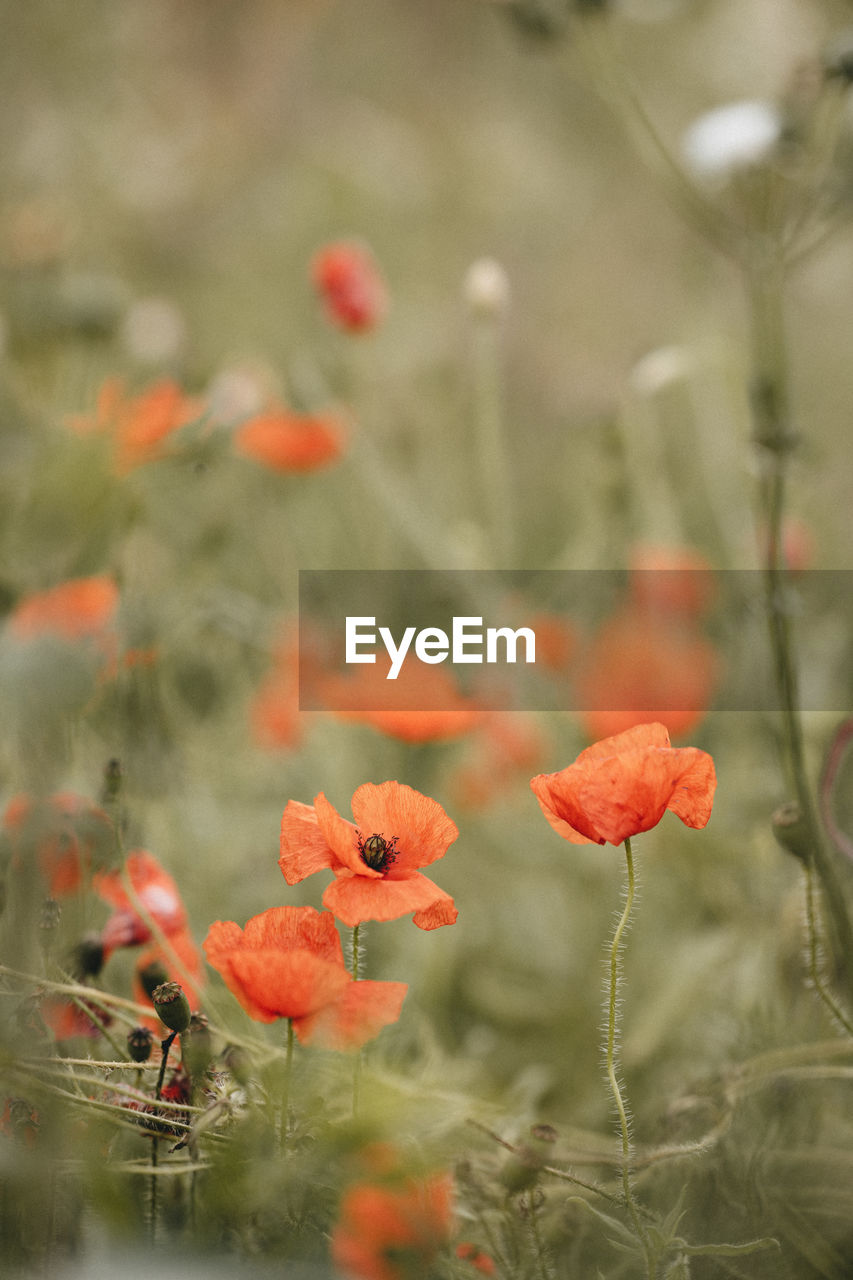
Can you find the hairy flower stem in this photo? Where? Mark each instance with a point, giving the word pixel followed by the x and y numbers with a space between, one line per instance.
pixel 836 1012
pixel 774 438
pixel 611 1062
pixel 153 1205
pixel 356 1069
pixel 288 1072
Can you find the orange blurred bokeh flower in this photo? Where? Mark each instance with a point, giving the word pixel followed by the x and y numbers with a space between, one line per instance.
pixel 392 1231
pixel 284 440
pixel 375 860
pixel 479 1260
pixel 65 832
pixel 623 785
pixel 288 963
pixel 644 665
pixel 507 744
pixel 671 579
pixel 423 704
pixel 350 284
pixel 79 609
pixel 138 425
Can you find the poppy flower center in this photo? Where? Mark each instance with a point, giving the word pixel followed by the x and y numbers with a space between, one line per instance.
pixel 377 852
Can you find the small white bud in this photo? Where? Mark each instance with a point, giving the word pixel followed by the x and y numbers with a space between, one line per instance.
pixel 738 136
pixel 486 287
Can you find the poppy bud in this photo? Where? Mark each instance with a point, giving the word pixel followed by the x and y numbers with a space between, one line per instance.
pixel 87 957
pixel 486 288
pixel 112 780
pixel 172 1005
pixel 521 1171
pixel 140 1042
pixel 791 831
pixel 351 286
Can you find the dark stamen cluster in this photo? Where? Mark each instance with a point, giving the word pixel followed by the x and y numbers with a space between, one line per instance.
pixel 377 852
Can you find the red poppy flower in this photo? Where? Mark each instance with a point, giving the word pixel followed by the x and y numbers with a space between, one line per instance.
pixel 66 832
pixel 79 609
pixel 157 892
pixel 646 665
pixel 139 424
pixel 349 281
pixel 389 1232
pixel 423 704
pixel 623 785
pixel 288 963
pixel 286 441
pixel 375 860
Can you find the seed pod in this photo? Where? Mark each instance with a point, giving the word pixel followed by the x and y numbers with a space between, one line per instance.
pixel 140 1042
pixel 791 831
pixel 172 1005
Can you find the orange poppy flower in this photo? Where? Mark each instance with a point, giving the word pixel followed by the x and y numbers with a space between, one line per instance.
pixel 351 286
pixel 158 894
pixel 375 860
pixel 288 963
pixel 441 711
pixel 644 664
pixel 79 609
pixel 390 1232
pixel 286 441
pixel 139 424
pixel 623 785
pixel 65 831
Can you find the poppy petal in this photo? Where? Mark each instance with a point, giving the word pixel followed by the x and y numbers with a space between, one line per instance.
pixel 363 1009
pixel 289 928
pixel 557 796
pixel 421 827
pixel 303 847
pixel 354 899
pixel 693 795
pixel 342 838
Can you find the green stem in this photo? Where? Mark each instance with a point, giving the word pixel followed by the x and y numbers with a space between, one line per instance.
pixel 491 441
pixel 771 413
pixel 288 1072
pixel 611 1058
pixel 536 1236
pixel 356 1070
pixel 153 1207
pixel 836 1012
